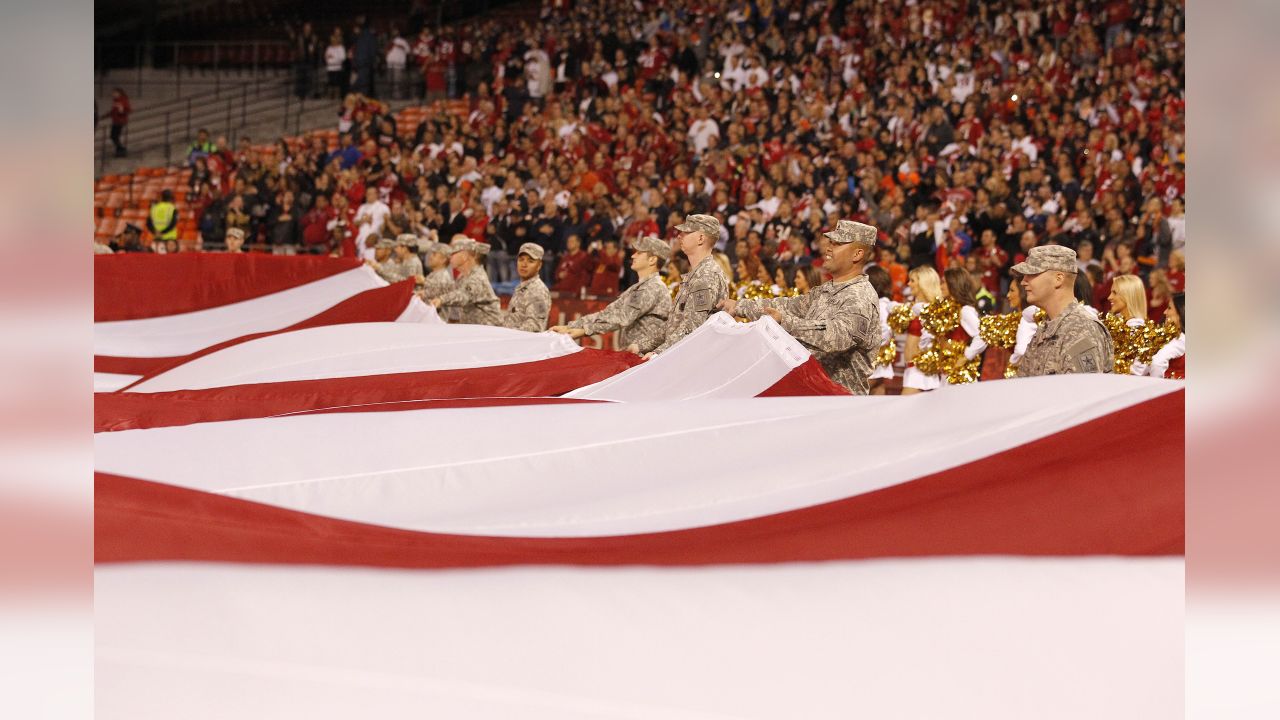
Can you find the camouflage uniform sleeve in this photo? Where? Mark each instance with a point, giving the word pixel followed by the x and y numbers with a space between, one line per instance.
pixel 623 312
pixel 531 314
pixel 437 284
pixel 464 293
pixel 389 271
pixel 1092 351
pixel 697 302
pixel 753 309
pixel 854 325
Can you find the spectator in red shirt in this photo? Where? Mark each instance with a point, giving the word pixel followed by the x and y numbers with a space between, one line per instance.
pixel 315 226
pixel 574 271
pixel 1177 273
pixel 342 226
pixel 1159 295
pixel 991 261
pixel 897 271
pixel 120 109
pixel 608 261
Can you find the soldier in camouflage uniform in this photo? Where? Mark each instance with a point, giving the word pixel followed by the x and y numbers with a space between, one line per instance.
pixel 482 254
pixel 639 315
pixel 1072 340
pixel 406 255
pixel 839 321
pixel 704 287
pixel 440 281
pixel 384 262
pixel 473 294
pixel 531 301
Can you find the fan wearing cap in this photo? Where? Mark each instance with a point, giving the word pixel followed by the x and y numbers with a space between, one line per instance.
pixel 838 321
pixel 531 300
pixel 639 315
pixel 1072 340
pixel 473 294
pixel 704 287
pixel 440 281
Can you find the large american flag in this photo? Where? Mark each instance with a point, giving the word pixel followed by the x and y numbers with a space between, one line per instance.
pixel 385 515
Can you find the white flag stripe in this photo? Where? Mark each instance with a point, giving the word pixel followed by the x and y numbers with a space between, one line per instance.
pixel 605 469
pixel 110 382
pixel 994 637
pixel 360 349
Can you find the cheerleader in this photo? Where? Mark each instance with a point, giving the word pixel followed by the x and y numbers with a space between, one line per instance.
pixel 1129 302
pixel 958 284
pixel 883 285
pixel 1170 361
pixel 925 288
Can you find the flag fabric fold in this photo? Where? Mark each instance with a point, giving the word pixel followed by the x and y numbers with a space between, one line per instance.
pixel 390 303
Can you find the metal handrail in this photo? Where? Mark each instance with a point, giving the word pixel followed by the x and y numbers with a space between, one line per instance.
pixel 155 58
pixel 163 135
pixel 157 110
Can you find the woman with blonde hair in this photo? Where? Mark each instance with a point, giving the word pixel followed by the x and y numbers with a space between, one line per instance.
pixel 925 287
pixel 1128 300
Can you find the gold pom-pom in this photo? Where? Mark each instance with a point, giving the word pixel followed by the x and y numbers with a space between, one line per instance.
pixel 1138 343
pixel 946 357
pixel 969 372
pixel 1121 346
pixel 929 362
pixel 940 317
pixel 900 318
pixel 886 354
pixel 1000 330
pixel 1155 337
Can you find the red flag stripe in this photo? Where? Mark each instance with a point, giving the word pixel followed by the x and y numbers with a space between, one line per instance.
pixel 136 286
pixel 542 378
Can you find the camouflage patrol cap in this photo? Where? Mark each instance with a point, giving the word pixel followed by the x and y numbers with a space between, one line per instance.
pixel 480 248
pixel 460 244
pixel 848 231
pixel 233 232
pixel 428 247
pixel 1046 258
pixel 408 239
pixel 387 243
pixel 533 250
pixel 457 240
pixel 705 223
pixel 654 246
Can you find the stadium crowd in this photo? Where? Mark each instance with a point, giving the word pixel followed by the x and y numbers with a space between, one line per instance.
pixel 967 133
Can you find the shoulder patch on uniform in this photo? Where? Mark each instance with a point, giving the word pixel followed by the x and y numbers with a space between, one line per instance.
pixel 699 301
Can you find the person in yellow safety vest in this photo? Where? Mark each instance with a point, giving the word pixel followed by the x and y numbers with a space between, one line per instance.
pixel 162 220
